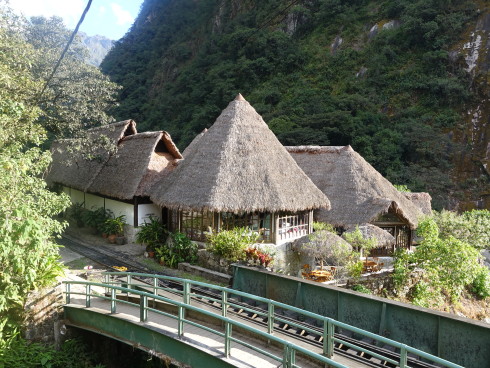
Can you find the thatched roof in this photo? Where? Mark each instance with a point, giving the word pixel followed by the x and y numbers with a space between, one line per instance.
pixel 73 169
pixel 358 193
pixel 368 231
pixel 193 145
pixel 141 160
pixel 238 165
pixel 421 200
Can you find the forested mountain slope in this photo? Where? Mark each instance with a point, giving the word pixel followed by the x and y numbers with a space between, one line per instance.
pixel 405 82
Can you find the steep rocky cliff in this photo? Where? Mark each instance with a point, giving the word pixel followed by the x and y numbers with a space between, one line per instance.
pixel 404 82
pixel 472 164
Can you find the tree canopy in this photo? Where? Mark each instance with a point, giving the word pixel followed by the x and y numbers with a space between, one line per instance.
pixel 76 97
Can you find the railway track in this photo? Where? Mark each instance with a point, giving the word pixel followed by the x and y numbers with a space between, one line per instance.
pixel 254 312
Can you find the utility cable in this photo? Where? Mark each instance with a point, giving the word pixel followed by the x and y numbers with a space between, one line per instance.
pixel 72 37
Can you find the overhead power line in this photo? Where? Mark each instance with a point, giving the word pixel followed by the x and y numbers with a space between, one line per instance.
pixel 72 37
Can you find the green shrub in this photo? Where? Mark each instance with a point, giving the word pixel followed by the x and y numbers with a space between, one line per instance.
pixel 181 249
pixel 152 233
pixel 114 225
pixel 21 354
pixel 75 213
pixel 481 283
pixel 96 218
pixel 361 289
pixel 231 244
pixel 317 226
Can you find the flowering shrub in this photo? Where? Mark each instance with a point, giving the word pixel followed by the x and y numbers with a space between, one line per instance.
pixel 255 255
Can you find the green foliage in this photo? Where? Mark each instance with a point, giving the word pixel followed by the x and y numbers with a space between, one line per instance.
pixel 318 226
pixel 393 97
pixel 75 97
pixel 402 188
pixel 114 225
pixel 472 227
pixel 152 233
pixel 231 244
pixel 179 249
pixel 75 213
pixel 97 218
pixel 447 266
pixel 28 254
pixel 361 289
pixel 359 242
pixel 481 284
pixel 21 354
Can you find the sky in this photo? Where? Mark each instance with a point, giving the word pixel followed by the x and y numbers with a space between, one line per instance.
pixel 110 18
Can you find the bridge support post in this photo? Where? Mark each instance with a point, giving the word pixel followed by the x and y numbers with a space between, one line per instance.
pixel 228 327
pixel 328 336
pixel 224 303
pixel 113 300
pixel 270 318
pixel 187 292
pixel 143 308
pixel 68 293
pixel 87 295
pixel 180 327
pixel 403 356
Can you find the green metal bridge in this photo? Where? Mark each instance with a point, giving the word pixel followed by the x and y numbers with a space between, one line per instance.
pixel 196 324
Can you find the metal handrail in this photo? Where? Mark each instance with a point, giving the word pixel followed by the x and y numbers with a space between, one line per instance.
pixel 288 359
pixel 329 324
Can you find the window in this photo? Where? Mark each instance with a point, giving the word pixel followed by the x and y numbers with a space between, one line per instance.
pixel 196 224
pixel 258 222
pixel 293 225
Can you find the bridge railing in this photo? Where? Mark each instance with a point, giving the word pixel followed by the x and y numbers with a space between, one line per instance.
pixel 288 358
pixel 228 299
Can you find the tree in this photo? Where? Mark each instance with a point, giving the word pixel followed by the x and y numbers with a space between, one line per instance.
pixel 447 266
pixel 75 98
pixel 472 227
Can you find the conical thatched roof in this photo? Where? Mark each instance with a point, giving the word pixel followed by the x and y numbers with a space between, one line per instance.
pixel 141 160
pixel 238 165
pixel 358 193
pixel 421 200
pixel 73 169
pixel 368 231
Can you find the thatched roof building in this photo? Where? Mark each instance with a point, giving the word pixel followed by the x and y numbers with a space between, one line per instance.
pixel 141 159
pixel 358 193
pixel 238 165
pixel 73 169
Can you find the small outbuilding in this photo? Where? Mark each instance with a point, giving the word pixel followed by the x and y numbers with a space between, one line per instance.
pixel 359 194
pixel 237 174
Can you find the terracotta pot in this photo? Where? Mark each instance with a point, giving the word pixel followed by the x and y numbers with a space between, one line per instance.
pixel 111 238
pixel 151 254
pixel 104 235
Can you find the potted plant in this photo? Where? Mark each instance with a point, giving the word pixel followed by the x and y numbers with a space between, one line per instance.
pixel 115 228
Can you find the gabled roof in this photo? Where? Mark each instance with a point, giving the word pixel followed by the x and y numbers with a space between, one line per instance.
pixel 238 165
pixel 72 169
pixel 357 192
pixel 141 159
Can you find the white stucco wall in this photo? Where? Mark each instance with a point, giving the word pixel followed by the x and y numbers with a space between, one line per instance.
pixel 75 195
pixel 145 210
pixel 121 208
pixel 93 202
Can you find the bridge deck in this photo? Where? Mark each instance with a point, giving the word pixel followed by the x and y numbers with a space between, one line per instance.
pixel 241 356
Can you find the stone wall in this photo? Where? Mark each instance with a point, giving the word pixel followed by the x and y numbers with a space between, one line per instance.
pixel 43 314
